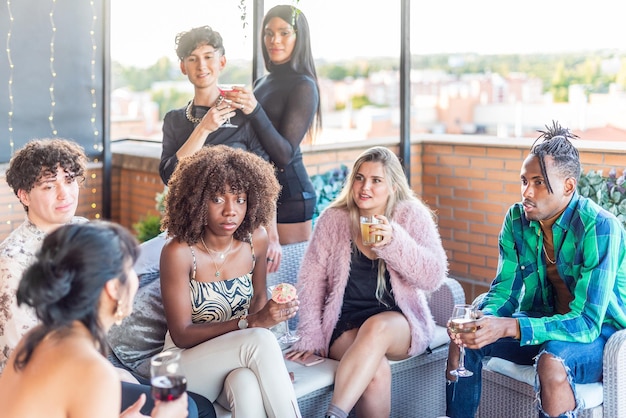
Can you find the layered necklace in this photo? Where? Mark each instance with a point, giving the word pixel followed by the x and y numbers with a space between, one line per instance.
pixel 219 255
pixel 189 114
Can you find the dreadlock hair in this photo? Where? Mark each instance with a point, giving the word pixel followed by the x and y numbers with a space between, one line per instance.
pixel 556 143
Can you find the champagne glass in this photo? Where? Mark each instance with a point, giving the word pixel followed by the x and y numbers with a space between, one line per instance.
pixel 283 293
pixel 463 320
pixel 227 88
pixel 166 377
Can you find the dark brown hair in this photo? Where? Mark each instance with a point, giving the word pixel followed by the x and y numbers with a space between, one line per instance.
pixel 40 158
pixel 215 170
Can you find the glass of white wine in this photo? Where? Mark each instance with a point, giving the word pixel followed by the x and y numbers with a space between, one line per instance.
pixel 463 320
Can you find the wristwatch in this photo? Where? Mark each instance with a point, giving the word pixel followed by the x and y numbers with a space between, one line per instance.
pixel 243 322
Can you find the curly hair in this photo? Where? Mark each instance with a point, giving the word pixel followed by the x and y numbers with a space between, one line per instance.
pixel 40 158
pixel 555 142
pixel 65 282
pixel 215 170
pixel 188 41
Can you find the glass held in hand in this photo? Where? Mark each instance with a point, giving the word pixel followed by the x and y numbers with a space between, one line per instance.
pixel 369 238
pixel 463 320
pixel 166 377
pixel 284 293
pixel 226 88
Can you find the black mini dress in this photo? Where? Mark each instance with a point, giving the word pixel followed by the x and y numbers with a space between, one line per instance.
pixel 359 300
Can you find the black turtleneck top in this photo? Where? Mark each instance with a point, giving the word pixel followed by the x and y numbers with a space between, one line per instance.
pixel 288 102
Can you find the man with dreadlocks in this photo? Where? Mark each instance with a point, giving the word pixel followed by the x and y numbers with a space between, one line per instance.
pixel 559 291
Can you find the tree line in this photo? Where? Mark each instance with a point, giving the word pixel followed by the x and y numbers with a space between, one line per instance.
pixel 594 70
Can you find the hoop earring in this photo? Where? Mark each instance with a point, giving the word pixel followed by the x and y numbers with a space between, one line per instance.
pixel 119 314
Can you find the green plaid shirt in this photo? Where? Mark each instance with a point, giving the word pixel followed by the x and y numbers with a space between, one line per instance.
pixel 589 245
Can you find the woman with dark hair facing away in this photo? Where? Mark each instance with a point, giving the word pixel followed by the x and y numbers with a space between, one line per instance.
pixel 213 282
pixel 288 109
pixel 81 283
pixel 366 303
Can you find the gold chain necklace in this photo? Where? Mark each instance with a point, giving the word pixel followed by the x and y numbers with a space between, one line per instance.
pixel 222 255
pixel 191 118
pixel 545 252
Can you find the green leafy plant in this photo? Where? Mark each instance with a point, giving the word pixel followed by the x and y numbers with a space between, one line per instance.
pixel 609 192
pixel 149 226
pixel 327 187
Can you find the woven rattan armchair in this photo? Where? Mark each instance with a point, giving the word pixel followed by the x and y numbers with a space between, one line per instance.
pixel 504 396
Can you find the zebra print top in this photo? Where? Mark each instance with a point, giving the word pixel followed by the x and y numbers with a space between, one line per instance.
pixel 221 300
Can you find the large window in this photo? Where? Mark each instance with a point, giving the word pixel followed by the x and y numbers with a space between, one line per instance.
pixel 487 67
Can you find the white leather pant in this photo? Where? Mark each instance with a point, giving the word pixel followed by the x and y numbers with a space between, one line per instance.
pixel 244 371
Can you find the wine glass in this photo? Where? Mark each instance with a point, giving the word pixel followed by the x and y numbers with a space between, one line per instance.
pixel 463 320
pixel 227 88
pixel 166 377
pixel 287 337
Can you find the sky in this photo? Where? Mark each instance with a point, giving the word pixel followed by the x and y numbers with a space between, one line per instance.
pixel 343 29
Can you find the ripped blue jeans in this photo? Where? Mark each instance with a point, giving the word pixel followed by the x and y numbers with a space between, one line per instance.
pixel 582 361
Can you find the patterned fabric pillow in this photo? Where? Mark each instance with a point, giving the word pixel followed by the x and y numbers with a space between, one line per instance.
pixel 141 335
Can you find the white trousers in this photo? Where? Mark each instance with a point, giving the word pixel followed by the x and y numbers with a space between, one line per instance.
pixel 244 371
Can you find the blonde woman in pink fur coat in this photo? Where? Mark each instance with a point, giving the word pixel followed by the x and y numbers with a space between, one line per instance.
pixel 365 305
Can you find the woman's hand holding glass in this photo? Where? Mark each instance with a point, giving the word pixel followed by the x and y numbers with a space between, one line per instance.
pixel 285 308
pixel 169 385
pixel 241 98
pixel 376 231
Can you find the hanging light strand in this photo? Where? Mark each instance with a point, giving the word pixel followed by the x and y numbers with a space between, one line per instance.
pixel 52 71
pixel 97 145
pixel 10 82
pixel 94 99
pixel 11 104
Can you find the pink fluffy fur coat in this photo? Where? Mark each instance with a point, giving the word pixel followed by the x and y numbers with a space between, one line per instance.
pixel 415 258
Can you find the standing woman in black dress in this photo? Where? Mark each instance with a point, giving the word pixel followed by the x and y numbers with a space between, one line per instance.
pixel 288 109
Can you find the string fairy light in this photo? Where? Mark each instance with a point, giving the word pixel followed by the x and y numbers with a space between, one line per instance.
pixel 97 146
pixel 52 70
pixel 11 103
pixel 10 82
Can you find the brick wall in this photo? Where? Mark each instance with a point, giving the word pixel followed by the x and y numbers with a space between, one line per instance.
pixel 471 183
pixel 468 181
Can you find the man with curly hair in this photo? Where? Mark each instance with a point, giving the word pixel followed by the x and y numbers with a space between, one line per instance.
pixel 559 291
pixel 45 175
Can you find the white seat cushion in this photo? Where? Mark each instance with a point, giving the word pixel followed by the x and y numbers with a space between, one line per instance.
pixel 590 394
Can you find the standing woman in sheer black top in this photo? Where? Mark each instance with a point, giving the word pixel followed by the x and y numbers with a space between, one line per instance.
pixel 289 109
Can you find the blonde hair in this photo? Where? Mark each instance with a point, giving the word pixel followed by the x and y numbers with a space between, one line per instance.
pixel 400 192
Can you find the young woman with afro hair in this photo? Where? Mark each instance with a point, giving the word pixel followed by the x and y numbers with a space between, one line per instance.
pixel 213 282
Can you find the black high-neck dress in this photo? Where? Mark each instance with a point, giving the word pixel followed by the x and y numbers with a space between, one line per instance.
pixel 287 105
